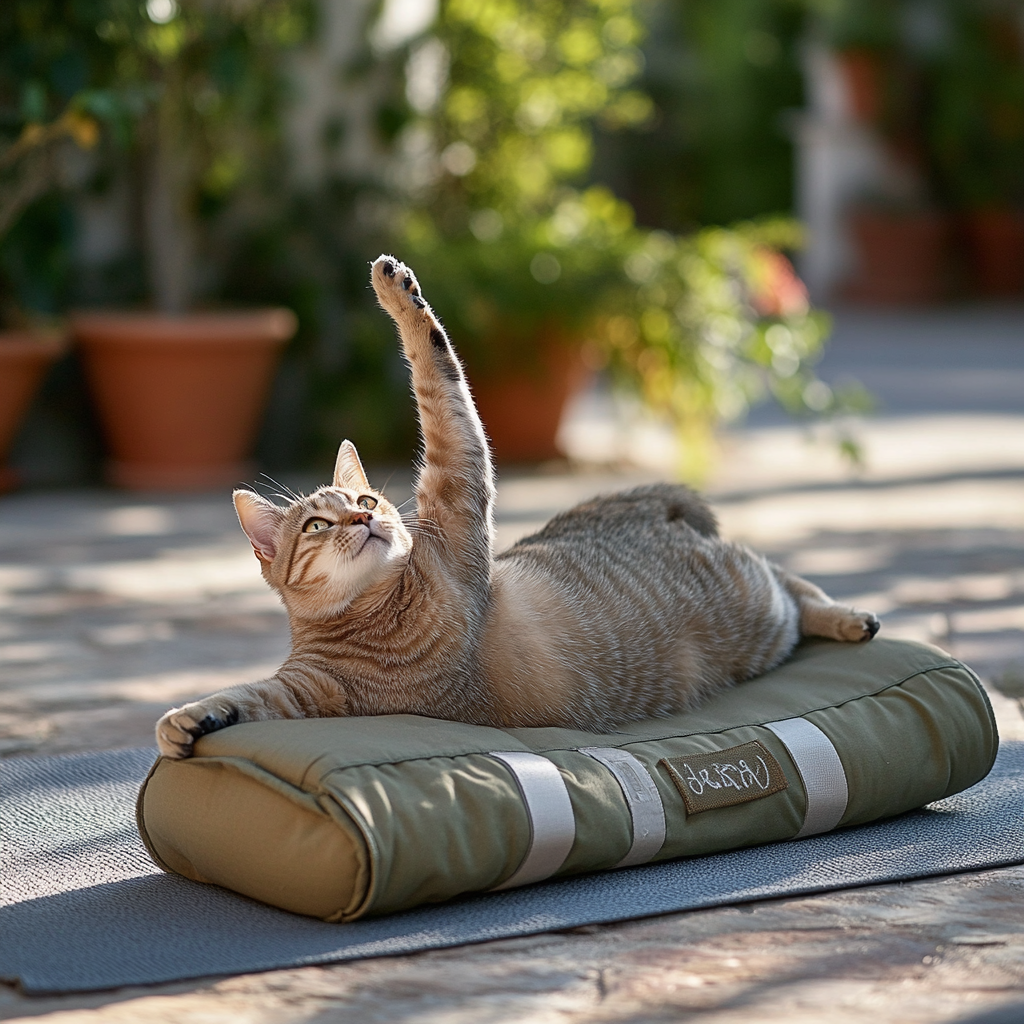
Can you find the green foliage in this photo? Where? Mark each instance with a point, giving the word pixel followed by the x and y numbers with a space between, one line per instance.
pixel 526 80
pixel 722 74
pixel 507 293
pixel 714 322
pixel 976 120
pixel 510 246
pixel 189 91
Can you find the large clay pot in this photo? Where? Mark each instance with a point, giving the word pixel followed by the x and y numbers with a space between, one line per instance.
pixel 995 239
pixel 180 397
pixel 522 409
pixel 901 257
pixel 24 358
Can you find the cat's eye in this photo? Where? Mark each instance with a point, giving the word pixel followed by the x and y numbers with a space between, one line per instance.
pixel 367 502
pixel 316 525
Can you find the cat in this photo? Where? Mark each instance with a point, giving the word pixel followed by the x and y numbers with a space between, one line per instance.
pixel 625 607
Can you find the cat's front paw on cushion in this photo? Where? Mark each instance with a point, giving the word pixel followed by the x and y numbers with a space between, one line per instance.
pixel 181 727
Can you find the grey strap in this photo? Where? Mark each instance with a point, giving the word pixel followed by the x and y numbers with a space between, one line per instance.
pixel 821 772
pixel 642 799
pixel 552 824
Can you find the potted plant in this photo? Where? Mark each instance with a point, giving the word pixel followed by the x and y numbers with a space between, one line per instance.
pixel 180 387
pixel 25 355
pixel 901 251
pixel 899 233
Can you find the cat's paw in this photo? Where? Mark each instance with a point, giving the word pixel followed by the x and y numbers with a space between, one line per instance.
pixel 397 288
pixel 178 730
pixel 857 626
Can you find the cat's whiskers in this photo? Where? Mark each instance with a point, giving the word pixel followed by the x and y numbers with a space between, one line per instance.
pixel 290 496
pixel 278 494
pixel 261 488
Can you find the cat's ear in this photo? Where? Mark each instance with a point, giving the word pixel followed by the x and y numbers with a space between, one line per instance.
pixel 348 470
pixel 261 520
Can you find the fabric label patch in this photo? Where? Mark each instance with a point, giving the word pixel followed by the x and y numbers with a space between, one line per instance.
pixel 722 778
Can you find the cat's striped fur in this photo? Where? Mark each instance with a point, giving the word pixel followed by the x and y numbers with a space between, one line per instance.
pixel 624 607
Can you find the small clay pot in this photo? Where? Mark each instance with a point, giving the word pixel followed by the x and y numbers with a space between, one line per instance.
pixel 521 409
pixel 24 358
pixel 180 397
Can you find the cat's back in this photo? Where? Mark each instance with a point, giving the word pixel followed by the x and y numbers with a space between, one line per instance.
pixel 629 523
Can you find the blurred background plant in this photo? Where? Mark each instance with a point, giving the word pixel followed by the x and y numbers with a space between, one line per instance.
pixel 942 82
pixel 520 247
pixel 615 177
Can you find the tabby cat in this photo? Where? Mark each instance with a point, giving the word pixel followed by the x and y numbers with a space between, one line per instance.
pixel 625 607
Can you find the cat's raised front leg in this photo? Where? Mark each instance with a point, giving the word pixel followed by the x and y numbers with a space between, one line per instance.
pixel 821 616
pixel 297 691
pixel 455 489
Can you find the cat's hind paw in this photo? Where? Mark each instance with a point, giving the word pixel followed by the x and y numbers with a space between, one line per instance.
pixel 858 626
pixel 178 730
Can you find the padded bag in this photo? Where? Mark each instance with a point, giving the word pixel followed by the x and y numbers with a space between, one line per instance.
pixel 342 817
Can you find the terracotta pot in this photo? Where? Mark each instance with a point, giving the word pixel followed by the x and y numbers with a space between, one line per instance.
pixel 521 410
pixel 24 358
pixel 180 397
pixel 901 257
pixel 995 240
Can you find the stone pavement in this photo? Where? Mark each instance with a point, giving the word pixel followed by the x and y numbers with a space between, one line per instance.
pixel 114 606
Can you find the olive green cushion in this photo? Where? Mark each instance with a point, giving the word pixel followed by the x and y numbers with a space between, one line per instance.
pixel 341 817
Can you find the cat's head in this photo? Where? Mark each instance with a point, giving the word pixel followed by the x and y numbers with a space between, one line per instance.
pixel 324 550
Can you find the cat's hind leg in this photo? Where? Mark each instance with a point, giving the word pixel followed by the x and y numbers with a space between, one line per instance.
pixel 821 616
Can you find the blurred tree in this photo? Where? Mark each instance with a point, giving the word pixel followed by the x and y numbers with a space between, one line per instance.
pixel 190 93
pixel 975 126
pixel 201 83
pixel 722 75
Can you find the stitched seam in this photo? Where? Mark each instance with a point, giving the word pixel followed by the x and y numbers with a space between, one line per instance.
pixel 809 711
pixel 655 739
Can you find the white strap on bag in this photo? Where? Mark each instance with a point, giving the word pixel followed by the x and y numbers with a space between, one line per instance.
pixel 642 798
pixel 821 772
pixel 552 823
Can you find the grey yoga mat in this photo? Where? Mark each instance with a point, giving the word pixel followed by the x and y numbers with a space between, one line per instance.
pixel 82 907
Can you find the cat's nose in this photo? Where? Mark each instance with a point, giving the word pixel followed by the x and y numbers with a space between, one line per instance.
pixel 361 518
